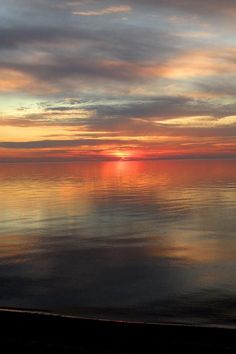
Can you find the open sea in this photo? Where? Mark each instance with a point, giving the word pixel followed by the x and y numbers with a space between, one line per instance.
pixel 146 241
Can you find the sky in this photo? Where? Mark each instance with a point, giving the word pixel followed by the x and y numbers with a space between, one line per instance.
pixel 111 80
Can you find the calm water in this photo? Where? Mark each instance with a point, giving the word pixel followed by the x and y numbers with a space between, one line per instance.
pixel 149 241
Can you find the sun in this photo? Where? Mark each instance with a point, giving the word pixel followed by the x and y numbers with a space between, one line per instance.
pixel 122 154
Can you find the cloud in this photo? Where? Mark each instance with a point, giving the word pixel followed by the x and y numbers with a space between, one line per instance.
pixel 163 107
pixel 13 37
pixel 106 11
pixel 202 63
pixel 136 113
pixel 61 57
pixel 200 121
pixel 189 67
pixel 62 143
pixel 200 7
pixel 12 80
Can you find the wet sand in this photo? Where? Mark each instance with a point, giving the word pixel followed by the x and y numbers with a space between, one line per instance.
pixel 38 332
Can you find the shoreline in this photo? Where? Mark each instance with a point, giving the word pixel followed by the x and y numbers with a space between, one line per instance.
pixel 38 331
pixel 109 319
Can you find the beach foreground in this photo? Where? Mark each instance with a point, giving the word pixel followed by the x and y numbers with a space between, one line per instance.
pixel 38 332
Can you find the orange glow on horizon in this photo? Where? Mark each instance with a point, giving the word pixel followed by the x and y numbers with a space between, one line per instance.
pixel 122 154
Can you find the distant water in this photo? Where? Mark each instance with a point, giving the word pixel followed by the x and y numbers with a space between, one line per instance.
pixel 152 241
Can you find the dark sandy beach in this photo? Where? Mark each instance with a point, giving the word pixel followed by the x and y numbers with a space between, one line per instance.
pixel 37 332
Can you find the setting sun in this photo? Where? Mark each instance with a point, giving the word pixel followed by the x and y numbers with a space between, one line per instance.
pixel 121 154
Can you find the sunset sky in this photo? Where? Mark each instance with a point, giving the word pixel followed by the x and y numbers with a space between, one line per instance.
pixel 137 79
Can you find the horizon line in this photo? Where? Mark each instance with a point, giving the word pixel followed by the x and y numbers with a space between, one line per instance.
pixel 119 159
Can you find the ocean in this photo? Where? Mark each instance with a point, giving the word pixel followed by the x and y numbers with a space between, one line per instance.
pixel 129 240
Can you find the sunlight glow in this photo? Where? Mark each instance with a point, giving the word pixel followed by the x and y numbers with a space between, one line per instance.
pixel 122 154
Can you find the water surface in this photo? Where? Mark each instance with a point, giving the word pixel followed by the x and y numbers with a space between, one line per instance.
pixel 148 241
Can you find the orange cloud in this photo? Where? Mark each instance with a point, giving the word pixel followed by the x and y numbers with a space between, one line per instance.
pixel 193 63
pixel 12 80
pixel 184 66
pixel 197 63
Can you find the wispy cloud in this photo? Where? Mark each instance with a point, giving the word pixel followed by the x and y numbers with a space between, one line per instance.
pixel 105 11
